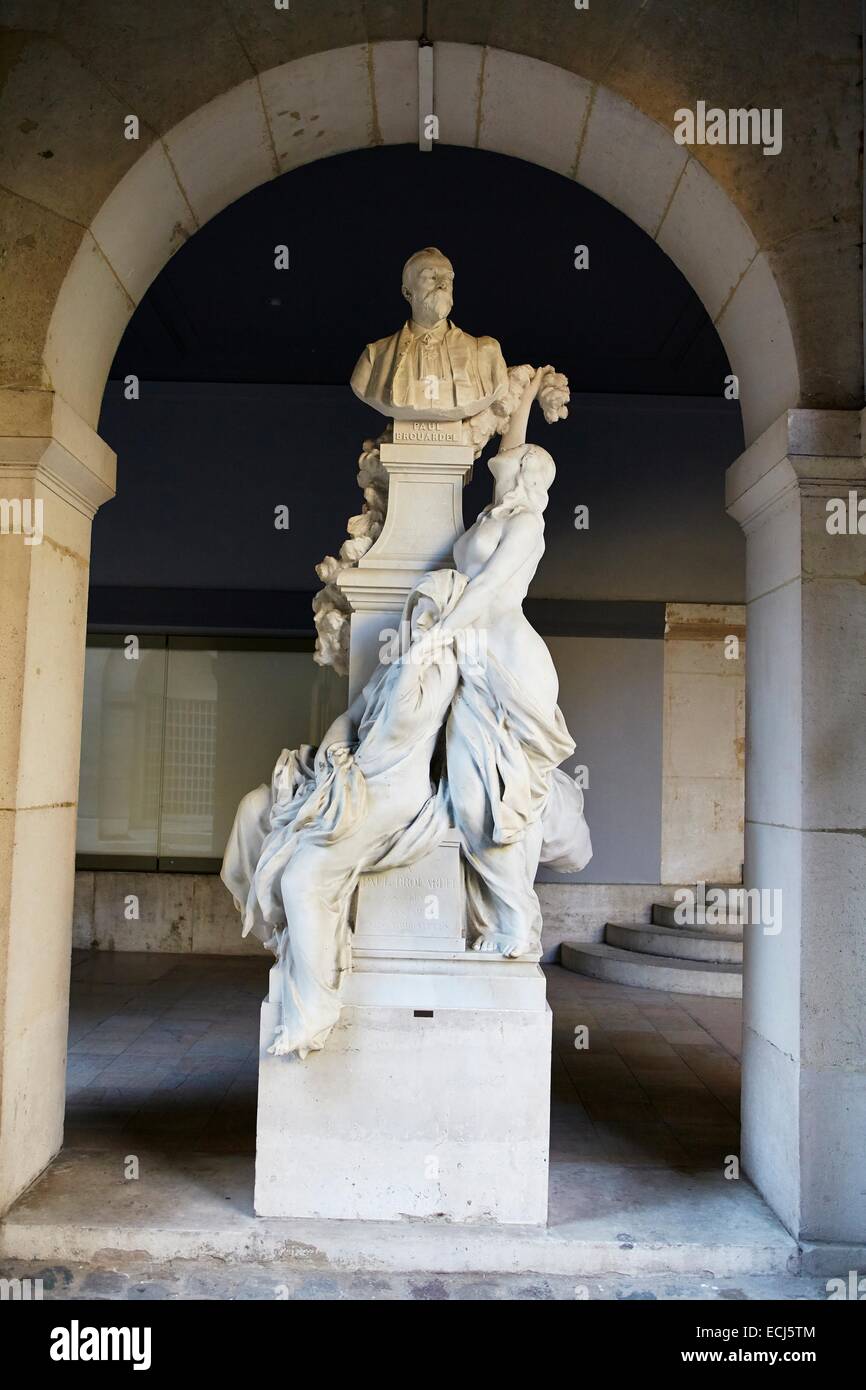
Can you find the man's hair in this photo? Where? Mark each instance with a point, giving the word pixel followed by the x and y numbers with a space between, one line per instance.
pixel 414 259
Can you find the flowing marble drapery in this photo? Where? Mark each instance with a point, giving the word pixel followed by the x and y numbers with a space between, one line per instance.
pixel 298 847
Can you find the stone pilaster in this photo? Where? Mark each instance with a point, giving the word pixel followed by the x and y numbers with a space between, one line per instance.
pixel 54 473
pixel 804 1083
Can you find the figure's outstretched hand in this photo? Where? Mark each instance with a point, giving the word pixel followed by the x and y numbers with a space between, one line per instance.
pixel 516 432
pixel 337 753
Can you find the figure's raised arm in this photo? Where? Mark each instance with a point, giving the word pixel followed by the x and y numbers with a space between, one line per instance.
pixel 516 432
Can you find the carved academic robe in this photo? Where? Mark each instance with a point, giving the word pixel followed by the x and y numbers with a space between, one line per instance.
pixel 386 376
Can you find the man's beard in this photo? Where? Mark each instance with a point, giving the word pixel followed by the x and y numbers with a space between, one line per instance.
pixel 436 305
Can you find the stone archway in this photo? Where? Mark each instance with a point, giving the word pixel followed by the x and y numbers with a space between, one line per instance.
pixel 322 104
pixel 367 95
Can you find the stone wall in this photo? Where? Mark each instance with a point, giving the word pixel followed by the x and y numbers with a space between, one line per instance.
pixel 703 743
pixel 181 913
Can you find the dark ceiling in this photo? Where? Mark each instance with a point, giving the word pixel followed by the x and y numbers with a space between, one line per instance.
pixel 220 311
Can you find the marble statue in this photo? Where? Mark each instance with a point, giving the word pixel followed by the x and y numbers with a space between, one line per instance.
pixel 400 378
pixel 430 369
pixel 331 612
pixel 452 731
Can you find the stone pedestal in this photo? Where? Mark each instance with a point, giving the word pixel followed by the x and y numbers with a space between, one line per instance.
pixel 428 464
pixel 430 1099
pixel 431 1096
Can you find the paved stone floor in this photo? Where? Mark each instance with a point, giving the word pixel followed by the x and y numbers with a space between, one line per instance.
pixel 163 1058
pixel 163 1050
pixel 214 1279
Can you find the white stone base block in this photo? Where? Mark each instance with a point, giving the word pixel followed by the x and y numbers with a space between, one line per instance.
pixel 432 1102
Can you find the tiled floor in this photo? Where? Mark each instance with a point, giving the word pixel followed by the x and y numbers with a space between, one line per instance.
pixel 163 1051
pixel 658 1083
pixel 163 1054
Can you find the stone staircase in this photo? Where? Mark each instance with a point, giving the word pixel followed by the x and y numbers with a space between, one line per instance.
pixel 662 955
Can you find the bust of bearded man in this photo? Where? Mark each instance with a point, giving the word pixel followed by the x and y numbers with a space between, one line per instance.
pixel 430 369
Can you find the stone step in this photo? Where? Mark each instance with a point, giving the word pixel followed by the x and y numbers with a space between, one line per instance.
pixel 610 963
pixel 663 916
pixel 196 1204
pixel 678 943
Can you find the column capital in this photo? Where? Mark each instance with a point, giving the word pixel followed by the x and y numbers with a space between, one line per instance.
pixel 43 439
pixel 812 451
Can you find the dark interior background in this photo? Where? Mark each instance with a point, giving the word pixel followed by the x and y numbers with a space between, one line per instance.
pixel 245 405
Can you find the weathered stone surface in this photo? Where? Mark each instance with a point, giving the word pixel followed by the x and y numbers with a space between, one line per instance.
pixel 452 21
pixel 834 769
pixel 272 37
pixel 532 111
pixel 394 79
pixel 320 106
pixel 393 19
pixel 643 970
pixel 37 249
pixel 457 77
pixel 706 237
pixel 90 314
pixel 579 911
pixel 777 195
pixel 164 906
pixel 178 914
pixel 41 772
pixel 44 587
pixel 586 41
pixel 82 907
pixel 676 56
pixel 215 921
pixel 416 908
pixel 223 150
pixel 805 1063
pixel 35 15
pixel 812 268
pixel 703 744
pixel 144 220
pixel 629 160
pixel 71 97
pixel 833 1102
pixel 161 59
pixel 757 336
pixel 833 960
pixel 132 1277
pixel 35 987
pixel 434 1111
pixel 571 912
pixel 63 143
pixel 743 55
